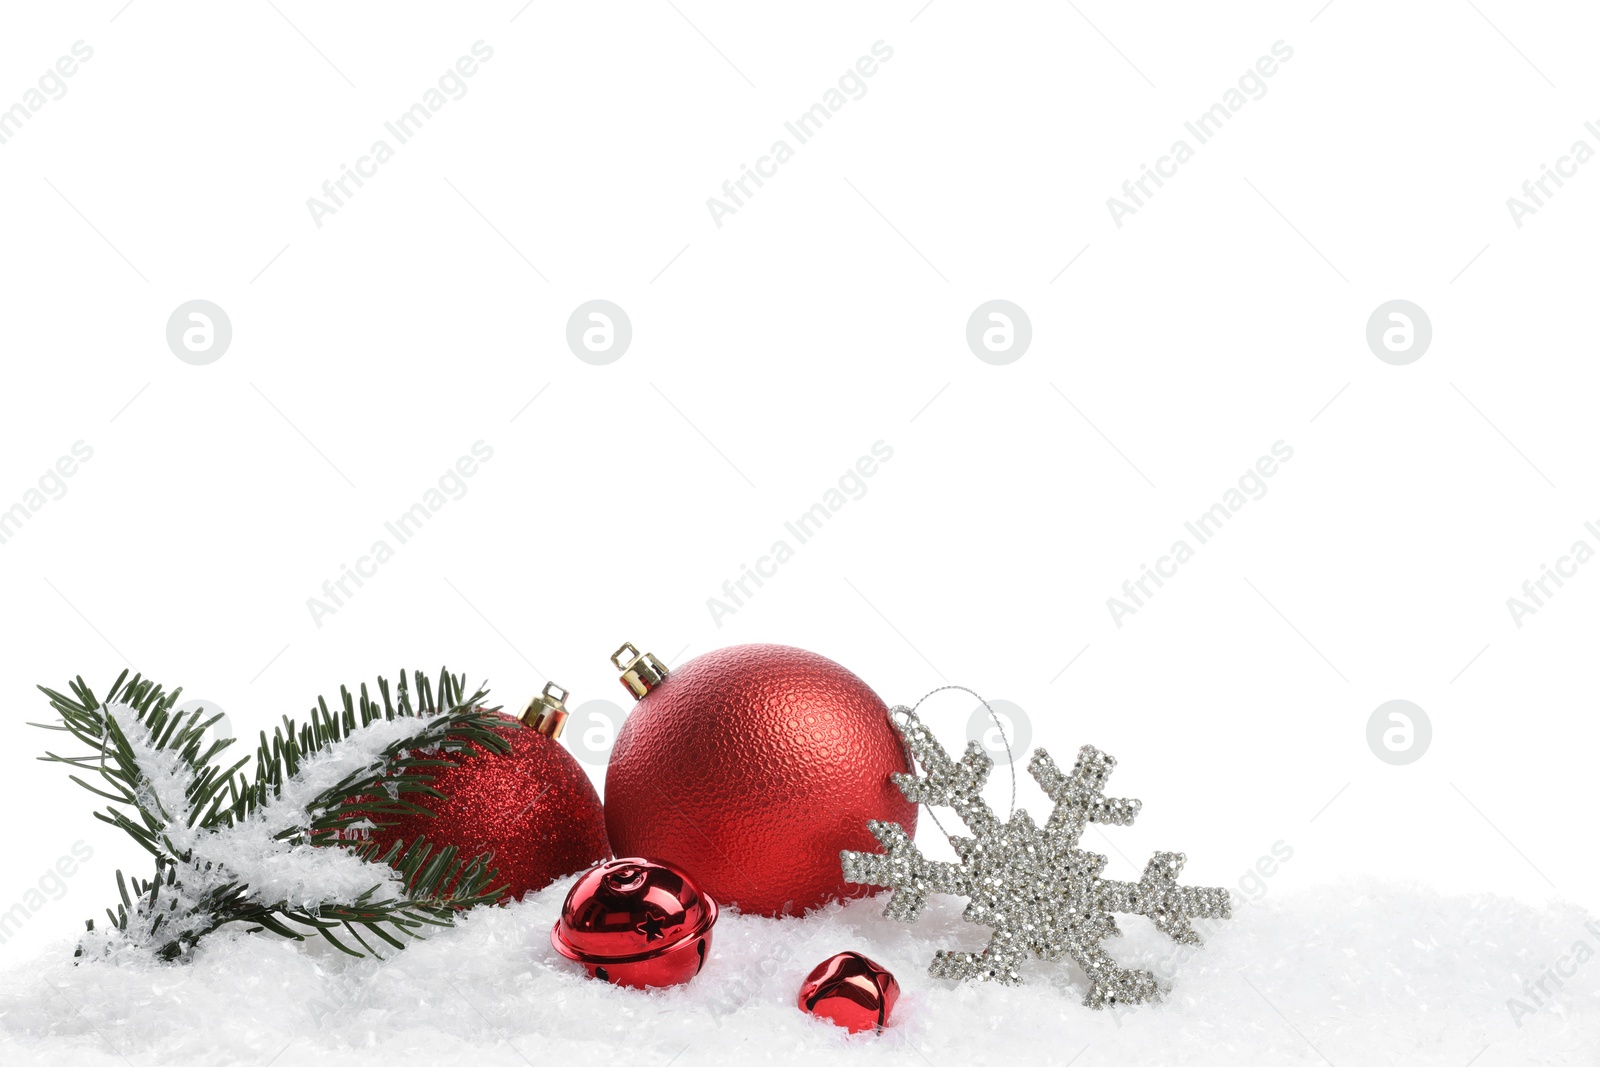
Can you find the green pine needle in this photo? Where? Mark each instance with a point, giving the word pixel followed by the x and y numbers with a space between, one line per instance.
pixel 438 883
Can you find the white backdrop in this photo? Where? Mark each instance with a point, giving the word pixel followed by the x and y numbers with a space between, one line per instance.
pixel 423 316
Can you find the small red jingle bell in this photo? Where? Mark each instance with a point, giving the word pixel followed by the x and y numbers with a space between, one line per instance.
pixel 634 922
pixel 851 991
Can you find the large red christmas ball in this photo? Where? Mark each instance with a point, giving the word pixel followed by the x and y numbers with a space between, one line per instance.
pixel 751 768
pixel 533 808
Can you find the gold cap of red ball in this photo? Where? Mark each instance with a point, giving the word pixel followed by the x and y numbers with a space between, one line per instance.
pixel 641 671
pixel 547 712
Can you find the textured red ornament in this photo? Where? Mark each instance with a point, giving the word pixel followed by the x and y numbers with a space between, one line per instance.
pixel 534 808
pixel 751 768
pixel 633 922
pixel 851 991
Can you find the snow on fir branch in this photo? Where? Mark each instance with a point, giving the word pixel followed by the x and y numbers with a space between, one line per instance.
pixel 278 850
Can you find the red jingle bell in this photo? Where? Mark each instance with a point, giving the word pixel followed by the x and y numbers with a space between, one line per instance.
pixel 636 923
pixel 851 991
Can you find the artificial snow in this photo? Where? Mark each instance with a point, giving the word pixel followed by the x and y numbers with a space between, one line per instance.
pixel 1366 974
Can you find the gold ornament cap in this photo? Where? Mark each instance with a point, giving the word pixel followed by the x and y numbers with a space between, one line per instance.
pixel 547 712
pixel 641 672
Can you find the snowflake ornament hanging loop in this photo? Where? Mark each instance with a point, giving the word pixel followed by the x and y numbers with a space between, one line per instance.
pixel 910 716
pixel 1034 887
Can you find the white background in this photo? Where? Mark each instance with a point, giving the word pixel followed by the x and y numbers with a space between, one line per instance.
pixel 768 354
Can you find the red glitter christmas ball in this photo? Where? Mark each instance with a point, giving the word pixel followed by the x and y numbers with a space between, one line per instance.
pixel 533 808
pixel 751 768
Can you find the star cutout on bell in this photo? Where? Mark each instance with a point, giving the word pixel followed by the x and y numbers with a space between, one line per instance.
pixel 635 922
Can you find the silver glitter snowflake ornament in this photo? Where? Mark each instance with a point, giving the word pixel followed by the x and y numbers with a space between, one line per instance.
pixel 1034 887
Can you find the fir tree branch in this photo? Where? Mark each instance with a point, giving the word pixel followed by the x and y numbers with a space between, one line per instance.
pixel 174 793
